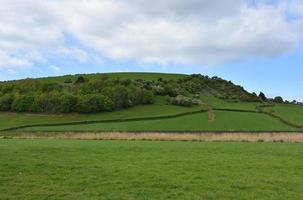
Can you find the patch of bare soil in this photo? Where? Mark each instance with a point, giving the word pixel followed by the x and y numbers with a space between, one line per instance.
pixel 211 114
pixel 249 137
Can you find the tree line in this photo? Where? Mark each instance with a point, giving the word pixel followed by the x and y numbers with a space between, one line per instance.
pixel 84 95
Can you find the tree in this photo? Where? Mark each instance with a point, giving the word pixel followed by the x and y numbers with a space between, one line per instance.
pixel 6 102
pixel 93 103
pixel 68 103
pixel 48 102
pixel 278 99
pixel 23 103
pixel 262 96
pixel 80 79
pixel 119 95
pixel 148 97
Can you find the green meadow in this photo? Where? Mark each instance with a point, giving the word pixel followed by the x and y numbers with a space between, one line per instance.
pixel 224 121
pixel 77 169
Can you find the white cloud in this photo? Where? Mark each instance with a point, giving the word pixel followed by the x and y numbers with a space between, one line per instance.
pixel 8 62
pixel 74 53
pixel 296 7
pixel 171 31
pixel 55 69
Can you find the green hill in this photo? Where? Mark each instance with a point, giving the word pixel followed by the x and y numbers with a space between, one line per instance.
pixel 139 102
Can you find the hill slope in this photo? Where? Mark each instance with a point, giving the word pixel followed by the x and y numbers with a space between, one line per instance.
pixel 139 102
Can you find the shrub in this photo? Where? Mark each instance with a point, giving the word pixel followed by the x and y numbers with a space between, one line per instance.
pixel 48 102
pixel 23 103
pixel 68 103
pixel 6 102
pixel 80 79
pixel 148 97
pixel 93 103
pixel 181 100
pixel 278 99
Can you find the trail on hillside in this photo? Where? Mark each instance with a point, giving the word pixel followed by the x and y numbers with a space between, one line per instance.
pixel 211 114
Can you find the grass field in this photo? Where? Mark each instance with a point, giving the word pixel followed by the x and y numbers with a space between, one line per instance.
pixel 75 169
pixel 224 121
pixel 292 113
pixel 159 108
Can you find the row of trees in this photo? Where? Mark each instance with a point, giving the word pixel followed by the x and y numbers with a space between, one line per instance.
pixel 103 94
pixel 83 96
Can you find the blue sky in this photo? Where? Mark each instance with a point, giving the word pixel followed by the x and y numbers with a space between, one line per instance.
pixel 256 44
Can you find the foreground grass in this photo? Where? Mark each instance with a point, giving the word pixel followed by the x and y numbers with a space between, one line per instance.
pixel 224 121
pixel 71 169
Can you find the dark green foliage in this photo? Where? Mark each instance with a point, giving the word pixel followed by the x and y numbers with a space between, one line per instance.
pixel 48 102
pixel 23 103
pixel 262 96
pixel 148 97
pixel 6 102
pixel 69 80
pixel 68 103
pixel 278 99
pixel 93 103
pixel 105 94
pixel 80 79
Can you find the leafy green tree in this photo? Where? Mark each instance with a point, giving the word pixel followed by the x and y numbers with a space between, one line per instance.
pixel 262 96
pixel 148 97
pixel 278 99
pixel 23 103
pixel 6 102
pixel 48 102
pixel 68 103
pixel 93 103
pixel 80 79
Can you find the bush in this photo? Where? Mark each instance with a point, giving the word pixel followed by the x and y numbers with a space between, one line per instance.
pixel 47 102
pixel 148 97
pixel 181 100
pixel 6 102
pixel 278 99
pixel 68 80
pixel 68 103
pixel 93 103
pixel 23 103
pixel 80 79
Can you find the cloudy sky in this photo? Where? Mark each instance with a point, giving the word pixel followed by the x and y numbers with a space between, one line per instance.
pixel 255 43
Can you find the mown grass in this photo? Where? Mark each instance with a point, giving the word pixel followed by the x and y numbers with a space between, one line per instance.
pixel 292 113
pixel 224 121
pixel 71 169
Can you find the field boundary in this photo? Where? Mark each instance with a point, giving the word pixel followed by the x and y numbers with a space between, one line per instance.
pixel 162 136
pixel 106 120
pixel 258 110
pixel 285 121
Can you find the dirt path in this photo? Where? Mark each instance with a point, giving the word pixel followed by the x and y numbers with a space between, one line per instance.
pixel 158 136
pixel 211 114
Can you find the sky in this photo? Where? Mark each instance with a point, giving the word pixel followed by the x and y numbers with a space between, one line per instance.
pixel 254 43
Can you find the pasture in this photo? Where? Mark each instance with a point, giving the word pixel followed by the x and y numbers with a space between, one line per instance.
pixel 77 169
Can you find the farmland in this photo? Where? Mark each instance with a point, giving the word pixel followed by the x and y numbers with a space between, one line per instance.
pixel 75 169
pixel 168 105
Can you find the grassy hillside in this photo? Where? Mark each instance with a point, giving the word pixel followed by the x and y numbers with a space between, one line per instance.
pixel 224 121
pixel 122 75
pixel 292 113
pixel 227 107
pixel 71 169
